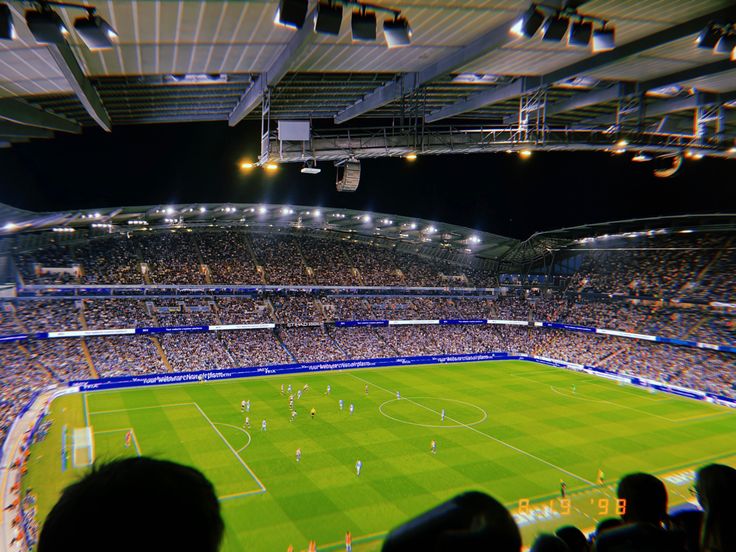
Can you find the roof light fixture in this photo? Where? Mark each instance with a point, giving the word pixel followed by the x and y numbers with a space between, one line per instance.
pixel 397 32
pixel 604 39
pixel 46 25
pixel 291 13
pixel 96 33
pixel 555 28
pixel 708 37
pixel 580 33
pixel 329 18
pixel 7 30
pixel 363 25
pixel 726 44
pixel 529 23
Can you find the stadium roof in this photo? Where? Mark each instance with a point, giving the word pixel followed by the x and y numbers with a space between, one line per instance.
pixel 430 238
pixel 215 60
pixel 544 243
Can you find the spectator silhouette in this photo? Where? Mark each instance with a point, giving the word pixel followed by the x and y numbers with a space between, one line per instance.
pixel 715 487
pixel 137 504
pixel 646 498
pixel 470 521
pixel 574 538
pixel 549 543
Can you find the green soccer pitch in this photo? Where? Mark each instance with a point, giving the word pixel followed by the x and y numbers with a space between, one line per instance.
pixel 513 429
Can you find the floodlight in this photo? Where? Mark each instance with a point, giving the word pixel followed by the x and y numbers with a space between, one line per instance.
pixel 708 37
pixel 580 33
pixel 641 158
pixel 555 28
pixel 397 32
pixel 525 153
pixel 271 166
pixel 291 13
pixel 96 33
pixel 726 44
pixel 411 156
pixel 604 39
pixel 529 23
pixel 246 165
pixel 363 25
pixel 329 18
pixel 46 26
pixel 7 30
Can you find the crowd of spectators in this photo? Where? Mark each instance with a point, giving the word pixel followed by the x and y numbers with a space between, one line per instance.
pixel 281 258
pixel 255 348
pixel 172 258
pixel 192 352
pixel 243 310
pixel 125 355
pixel 226 255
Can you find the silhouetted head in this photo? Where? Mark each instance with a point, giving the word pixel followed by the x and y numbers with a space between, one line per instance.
pixel 574 538
pixel 646 498
pixel 715 487
pixel 137 504
pixel 549 543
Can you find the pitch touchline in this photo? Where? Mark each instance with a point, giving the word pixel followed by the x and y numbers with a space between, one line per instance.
pixel 499 441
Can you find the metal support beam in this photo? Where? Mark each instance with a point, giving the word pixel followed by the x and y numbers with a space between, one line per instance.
pixel 12 130
pixel 520 86
pixel 483 99
pixel 410 82
pixel 18 111
pixel 274 72
pixel 87 94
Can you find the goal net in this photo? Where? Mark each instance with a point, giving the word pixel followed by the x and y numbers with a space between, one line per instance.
pixel 83 447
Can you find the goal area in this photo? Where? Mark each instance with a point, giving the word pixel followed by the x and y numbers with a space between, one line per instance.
pixel 83 447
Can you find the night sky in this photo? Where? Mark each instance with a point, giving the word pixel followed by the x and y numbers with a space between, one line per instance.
pixel 500 193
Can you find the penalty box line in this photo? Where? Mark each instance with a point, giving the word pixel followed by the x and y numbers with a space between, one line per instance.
pixel 120 430
pixel 491 437
pixel 261 486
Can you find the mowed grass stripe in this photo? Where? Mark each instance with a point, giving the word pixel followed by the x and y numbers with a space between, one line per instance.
pixel 321 498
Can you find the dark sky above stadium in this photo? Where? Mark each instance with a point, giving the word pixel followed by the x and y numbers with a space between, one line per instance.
pixel 500 193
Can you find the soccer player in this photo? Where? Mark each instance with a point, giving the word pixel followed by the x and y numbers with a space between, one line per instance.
pixel 306 387
pixel 398 395
pixel 263 425
pixel 328 389
pixel 246 425
pixel 358 467
pixel 242 406
pixel 573 388
pixel 247 405
pixel 442 415
pixel 282 388
pixel 563 489
pixel 288 389
pixel 348 542
pixel 366 388
pixel 352 408
pixel 340 403
pixel 600 477
pixel 128 439
pixel 298 455
pixel 313 412
pixel 299 394
pixel 433 446
pixel 312 546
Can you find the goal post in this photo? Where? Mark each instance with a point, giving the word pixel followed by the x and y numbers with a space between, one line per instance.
pixel 83 447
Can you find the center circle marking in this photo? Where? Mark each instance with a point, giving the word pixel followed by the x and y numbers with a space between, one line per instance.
pixel 451 424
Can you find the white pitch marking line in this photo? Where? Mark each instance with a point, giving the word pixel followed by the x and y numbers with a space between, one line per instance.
pixel 239 429
pixel 253 475
pixel 142 408
pixel 499 441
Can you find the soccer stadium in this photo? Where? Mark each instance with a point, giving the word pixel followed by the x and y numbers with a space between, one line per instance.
pixel 262 374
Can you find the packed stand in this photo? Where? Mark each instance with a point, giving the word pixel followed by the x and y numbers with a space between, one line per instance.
pixel 105 314
pixel 310 344
pixel 172 258
pixel 243 310
pixel 255 348
pixel 227 256
pixel 281 259
pixel 64 357
pixel 125 355
pixel 296 309
pixel 328 262
pixel 111 260
pixel 48 315
pixel 190 352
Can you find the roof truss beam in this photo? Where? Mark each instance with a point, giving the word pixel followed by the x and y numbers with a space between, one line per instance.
pixel 23 113
pixel 483 99
pixel 409 82
pixel 12 130
pixel 274 72
pixel 87 94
